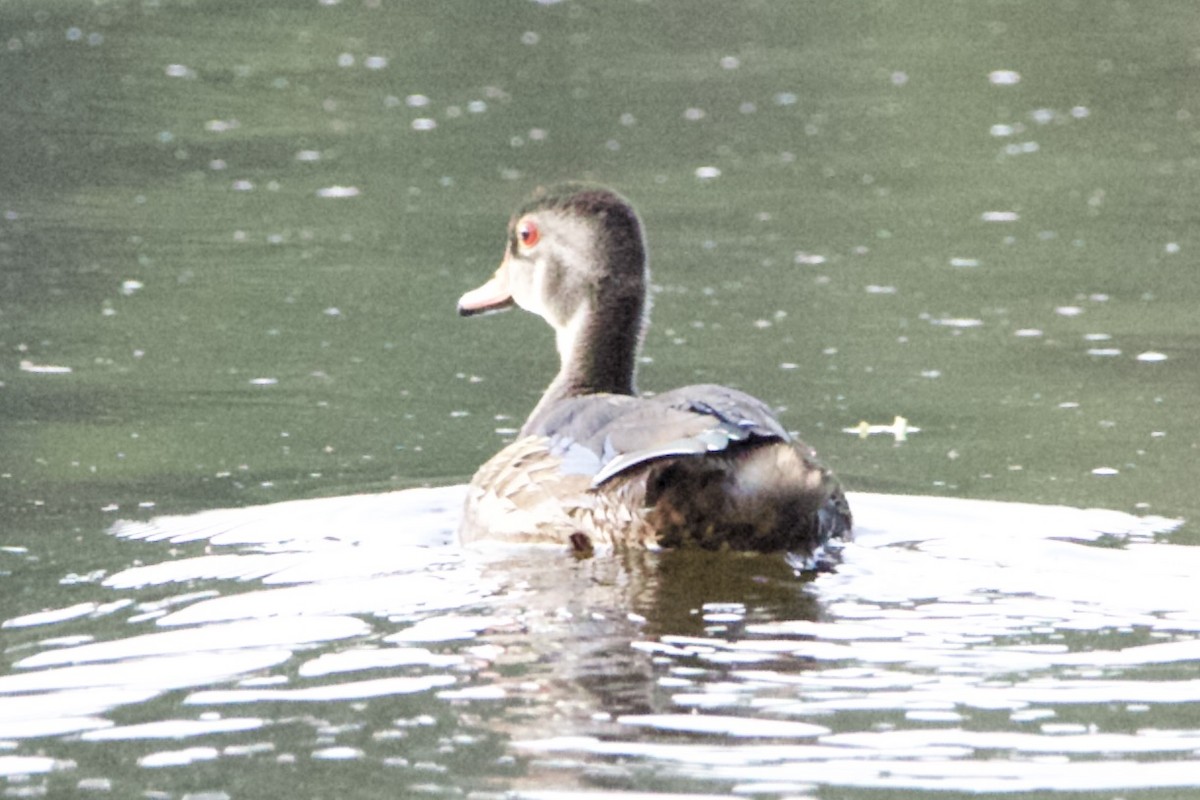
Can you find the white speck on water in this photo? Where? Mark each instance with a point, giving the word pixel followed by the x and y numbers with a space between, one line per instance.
pixel 178 758
pixel 179 71
pixel 264 381
pixel 130 286
pixel 1105 471
pixel 43 369
pixel 375 62
pixel 730 62
pixel 1043 116
pixel 416 101
pixel 707 173
pixel 308 155
pixel 694 114
pixel 1065 729
pixel 1068 311
pixel 964 262
pixel 1028 333
pixel 933 716
pixel 338 753
pixel 1104 351
pixel 785 99
pixel 476 107
pixel 221 125
pixel 1018 149
pixel 1171 248
pixel 1002 130
pixel 1004 77
pixel 338 191
pixel 899 78
pixel 332 311
pixel 1080 112
pixel 530 38
pixel 94 785
pixel 1151 356
pixel 875 289
pixel 811 259
pixel 1096 337
pixel 243 186
pixel 1032 714
pixel 956 322
pixel 999 216
pixel 345 60
pixel 424 124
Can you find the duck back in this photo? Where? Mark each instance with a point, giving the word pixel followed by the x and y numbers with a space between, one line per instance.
pixel 704 465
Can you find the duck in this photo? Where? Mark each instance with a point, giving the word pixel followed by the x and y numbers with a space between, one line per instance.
pixel 596 465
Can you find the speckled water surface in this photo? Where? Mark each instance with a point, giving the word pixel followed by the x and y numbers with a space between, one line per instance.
pixel 955 244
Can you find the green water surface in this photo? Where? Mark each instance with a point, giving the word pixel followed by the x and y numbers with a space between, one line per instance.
pixel 232 236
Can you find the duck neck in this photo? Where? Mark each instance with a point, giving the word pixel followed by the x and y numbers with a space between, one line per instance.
pixel 598 355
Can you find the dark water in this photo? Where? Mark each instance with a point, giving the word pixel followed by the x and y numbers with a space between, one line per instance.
pixel 231 239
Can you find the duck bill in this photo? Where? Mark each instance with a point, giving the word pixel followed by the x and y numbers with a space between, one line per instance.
pixel 492 296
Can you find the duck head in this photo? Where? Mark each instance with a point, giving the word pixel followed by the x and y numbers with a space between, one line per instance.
pixel 576 257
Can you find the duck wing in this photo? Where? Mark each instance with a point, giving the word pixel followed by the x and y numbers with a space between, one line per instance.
pixel 606 435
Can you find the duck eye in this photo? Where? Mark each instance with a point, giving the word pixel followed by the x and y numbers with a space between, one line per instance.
pixel 527 233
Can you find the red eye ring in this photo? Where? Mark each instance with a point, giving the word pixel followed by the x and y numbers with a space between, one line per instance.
pixel 528 233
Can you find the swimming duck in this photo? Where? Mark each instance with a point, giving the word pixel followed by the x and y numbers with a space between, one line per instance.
pixel 596 465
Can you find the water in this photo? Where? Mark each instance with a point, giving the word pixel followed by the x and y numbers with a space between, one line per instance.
pixel 231 239
pixel 967 646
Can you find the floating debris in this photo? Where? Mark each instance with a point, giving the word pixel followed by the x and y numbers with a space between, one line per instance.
pixel 899 428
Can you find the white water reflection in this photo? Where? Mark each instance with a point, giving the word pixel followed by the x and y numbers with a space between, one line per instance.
pixel 962 645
